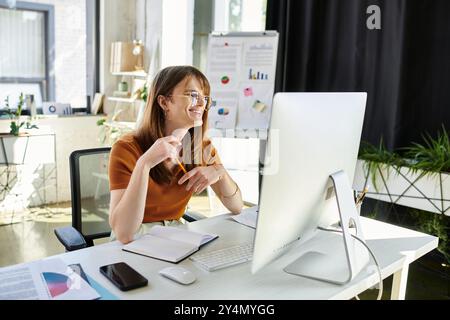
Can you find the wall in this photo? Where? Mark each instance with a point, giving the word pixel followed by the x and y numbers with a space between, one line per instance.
pixel 149 29
pixel 117 23
pixel 177 32
pixel 203 25
pixel 167 29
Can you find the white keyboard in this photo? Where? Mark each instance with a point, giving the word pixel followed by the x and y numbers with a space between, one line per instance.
pixel 215 260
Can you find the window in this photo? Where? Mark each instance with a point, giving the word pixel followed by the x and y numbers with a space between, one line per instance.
pixel 24 62
pixel 22 38
pixel 224 16
pixel 246 15
pixel 49 50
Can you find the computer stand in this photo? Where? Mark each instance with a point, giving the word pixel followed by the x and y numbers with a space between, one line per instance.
pixel 336 261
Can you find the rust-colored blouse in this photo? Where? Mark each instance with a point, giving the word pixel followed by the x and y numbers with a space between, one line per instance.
pixel 164 202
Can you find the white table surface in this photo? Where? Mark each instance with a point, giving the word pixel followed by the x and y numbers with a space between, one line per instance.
pixel 394 247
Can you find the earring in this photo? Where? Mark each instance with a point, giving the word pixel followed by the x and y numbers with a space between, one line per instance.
pixel 165 113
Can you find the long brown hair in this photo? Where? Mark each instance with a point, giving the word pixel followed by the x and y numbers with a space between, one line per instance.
pixel 152 126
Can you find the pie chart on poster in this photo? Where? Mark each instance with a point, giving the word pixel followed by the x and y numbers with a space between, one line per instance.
pixel 225 80
pixel 223 111
pixel 57 283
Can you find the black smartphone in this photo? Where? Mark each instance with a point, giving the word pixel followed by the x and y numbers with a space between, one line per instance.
pixel 123 276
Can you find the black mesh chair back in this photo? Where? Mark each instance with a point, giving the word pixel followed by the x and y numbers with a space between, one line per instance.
pixel 90 193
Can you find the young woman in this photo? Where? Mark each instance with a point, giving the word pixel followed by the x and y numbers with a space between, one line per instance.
pixel 146 169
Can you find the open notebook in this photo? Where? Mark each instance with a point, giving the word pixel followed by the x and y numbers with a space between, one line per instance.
pixel 169 243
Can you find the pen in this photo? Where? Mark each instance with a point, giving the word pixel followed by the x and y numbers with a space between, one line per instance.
pixel 362 196
pixel 181 166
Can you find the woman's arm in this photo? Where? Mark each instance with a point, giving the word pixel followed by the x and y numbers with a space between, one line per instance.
pixel 127 206
pixel 228 191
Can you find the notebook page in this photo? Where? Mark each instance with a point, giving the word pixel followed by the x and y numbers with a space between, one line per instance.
pixel 160 248
pixel 179 234
pixel 247 217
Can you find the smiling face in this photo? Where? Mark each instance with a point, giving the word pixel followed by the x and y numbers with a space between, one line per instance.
pixel 185 106
pixel 170 112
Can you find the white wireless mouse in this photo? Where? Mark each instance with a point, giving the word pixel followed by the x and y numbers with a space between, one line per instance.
pixel 178 274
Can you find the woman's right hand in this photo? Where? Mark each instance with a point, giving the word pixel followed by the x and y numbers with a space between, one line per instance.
pixel 163 148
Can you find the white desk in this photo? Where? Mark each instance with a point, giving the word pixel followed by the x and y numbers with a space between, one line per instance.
pixel 394 247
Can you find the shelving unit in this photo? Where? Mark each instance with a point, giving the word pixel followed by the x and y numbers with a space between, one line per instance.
pixel 120 124
pixel 132 101
pixel 129 77
pixel 124 100
pixel 137 74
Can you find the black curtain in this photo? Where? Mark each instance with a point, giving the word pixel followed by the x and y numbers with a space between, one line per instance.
pixel 325 45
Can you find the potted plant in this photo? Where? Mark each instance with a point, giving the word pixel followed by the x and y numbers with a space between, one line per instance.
pixel 417 177
pixel 15 142
pixel 16 123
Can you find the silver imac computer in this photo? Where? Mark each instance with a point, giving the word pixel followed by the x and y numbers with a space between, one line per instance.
pixel 312 136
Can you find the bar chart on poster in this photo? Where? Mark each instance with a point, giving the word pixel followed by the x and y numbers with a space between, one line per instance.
pixel 241 69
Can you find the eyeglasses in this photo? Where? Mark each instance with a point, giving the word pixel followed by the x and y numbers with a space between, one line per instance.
pixel 195 98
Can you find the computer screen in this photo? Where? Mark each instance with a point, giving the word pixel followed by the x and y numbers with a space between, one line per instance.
pixel 311 136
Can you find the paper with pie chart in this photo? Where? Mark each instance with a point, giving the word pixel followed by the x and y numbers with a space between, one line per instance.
pixel 224 65
pixel 63 283
pixel 49 279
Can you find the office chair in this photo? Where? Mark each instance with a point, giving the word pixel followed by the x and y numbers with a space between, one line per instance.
pixel 89 184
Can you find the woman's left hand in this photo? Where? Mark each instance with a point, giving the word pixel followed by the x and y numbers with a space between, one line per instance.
pixel 200 178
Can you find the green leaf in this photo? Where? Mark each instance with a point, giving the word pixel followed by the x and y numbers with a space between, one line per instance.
pixel 30 126
pixel 14 129
pixel 432 156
